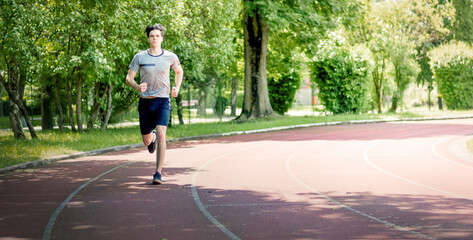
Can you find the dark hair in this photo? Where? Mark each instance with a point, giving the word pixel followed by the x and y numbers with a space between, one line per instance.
pixel 155 27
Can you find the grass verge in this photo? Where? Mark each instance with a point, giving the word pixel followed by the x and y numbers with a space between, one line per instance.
pixel 55 142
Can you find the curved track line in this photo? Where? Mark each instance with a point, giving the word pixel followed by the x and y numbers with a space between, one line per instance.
pixel 199 203
pixel 446 159
pixel 49 227
pixel 386 223
pixel 367 160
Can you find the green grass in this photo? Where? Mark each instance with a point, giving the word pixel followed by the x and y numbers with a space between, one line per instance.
pixel 55 142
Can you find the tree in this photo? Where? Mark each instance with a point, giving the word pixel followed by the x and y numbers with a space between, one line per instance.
pixel 393 31
pixel 256 102
pixel 89 47
pixel 207 46
pixel 431 22
pixel 463 24
pixel 21 26
pixel 304 20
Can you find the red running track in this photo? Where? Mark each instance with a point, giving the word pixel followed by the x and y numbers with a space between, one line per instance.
pixel 369 181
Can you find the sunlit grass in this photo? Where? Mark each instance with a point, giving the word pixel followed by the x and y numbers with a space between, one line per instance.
pixel 54 142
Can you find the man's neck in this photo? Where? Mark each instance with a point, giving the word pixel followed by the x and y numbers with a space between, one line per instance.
pixel 155 51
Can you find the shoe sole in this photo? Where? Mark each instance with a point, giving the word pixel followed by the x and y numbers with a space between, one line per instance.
pixel 153 148
pixel 156 182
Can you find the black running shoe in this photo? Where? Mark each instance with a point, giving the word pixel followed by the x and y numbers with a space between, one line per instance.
pixel 157 178
pixel 152 146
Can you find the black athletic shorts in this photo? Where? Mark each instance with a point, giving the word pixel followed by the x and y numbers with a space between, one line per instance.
pixel 152 112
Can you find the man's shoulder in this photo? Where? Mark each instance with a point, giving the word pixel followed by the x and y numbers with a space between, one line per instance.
pixel 142 53
pixel 169 53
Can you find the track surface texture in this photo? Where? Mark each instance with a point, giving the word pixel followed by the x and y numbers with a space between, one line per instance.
pixel 402 180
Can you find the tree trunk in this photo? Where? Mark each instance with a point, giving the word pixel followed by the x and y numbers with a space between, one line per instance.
pixel 202 103
pixel 46 110
pixel 234 96
pixel 59 104
pixel 109 106
pixel 1 101
pixel 15 88
pixel 378 78
pixel 15 120
pixel 69 84
pixel 97 103
pixel 256 99
pixel 395 103
pixel 179 109
pixel 79 103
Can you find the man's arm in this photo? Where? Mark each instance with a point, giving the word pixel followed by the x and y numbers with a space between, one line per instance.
pixel 130 81
pixel 179 73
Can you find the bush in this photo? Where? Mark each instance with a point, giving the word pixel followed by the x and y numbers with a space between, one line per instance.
pixel 343 82
pixel 220 105
pixel 282 91
pixel 452 65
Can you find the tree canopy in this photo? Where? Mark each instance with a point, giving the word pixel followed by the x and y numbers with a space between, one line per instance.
pixel 74 55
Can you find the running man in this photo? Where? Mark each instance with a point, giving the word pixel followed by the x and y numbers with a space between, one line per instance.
pixel 154 106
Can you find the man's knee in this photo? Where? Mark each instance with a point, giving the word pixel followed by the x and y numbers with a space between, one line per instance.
pixel 161 134
pixel 148 139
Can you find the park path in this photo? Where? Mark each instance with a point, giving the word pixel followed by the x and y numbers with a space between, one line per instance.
pixel 402 180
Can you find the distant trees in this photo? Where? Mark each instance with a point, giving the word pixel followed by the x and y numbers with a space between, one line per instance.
pixel 74 54
pixel 290 25
pixel 399 34
pixel 463 25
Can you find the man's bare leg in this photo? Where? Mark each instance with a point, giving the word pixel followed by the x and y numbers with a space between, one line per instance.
pixel 148 138
pixel 161 148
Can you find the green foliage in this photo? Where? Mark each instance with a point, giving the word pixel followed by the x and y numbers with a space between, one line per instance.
pixel 220 104
pixel 282 91
pixel 463 24
pixel 342 78
pixel 452 65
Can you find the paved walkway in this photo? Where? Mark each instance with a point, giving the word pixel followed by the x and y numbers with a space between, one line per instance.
pixel 404 180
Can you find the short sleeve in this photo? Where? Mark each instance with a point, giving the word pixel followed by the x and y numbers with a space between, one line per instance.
pixel 135 63
pixel 175 60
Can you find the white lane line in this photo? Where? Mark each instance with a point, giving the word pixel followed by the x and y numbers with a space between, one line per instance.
pixel 386 223
pixel 367 160
pixel 433 147
pixel 52 219
pixel 199 203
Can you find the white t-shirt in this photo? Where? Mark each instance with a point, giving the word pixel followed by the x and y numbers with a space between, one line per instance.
pixel 154 70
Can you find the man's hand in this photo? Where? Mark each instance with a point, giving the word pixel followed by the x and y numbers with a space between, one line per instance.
pixel 174 92
pixel 143 87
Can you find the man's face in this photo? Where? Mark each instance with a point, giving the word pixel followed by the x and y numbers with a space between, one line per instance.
pixel 155 38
